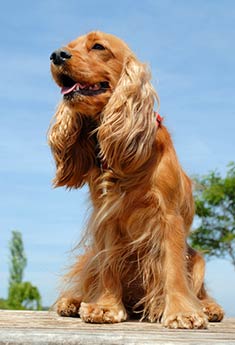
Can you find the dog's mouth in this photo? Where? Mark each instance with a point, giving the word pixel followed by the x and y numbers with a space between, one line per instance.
pixel 71 87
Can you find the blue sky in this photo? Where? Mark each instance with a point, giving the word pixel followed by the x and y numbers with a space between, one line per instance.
pixel 189 46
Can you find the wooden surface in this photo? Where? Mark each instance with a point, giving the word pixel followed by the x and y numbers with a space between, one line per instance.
pixel 46 328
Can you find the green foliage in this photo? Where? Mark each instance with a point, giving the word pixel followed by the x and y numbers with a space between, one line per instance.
pixel 18 259
pixel 24 296
pixel 21 295
pixel 215 210
pixel 4 304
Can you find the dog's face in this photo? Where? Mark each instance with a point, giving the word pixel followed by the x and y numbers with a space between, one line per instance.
pixel 88 70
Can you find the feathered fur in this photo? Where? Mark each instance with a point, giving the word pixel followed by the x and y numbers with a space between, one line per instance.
pixel 136 258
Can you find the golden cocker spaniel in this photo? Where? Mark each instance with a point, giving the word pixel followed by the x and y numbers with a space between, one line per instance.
pixel 105 133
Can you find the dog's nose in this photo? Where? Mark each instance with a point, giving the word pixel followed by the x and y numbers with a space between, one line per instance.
pixel 59 56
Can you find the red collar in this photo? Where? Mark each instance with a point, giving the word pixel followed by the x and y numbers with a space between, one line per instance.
pixel 159 118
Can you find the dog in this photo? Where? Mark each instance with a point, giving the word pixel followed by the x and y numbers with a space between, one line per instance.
pixel 105 133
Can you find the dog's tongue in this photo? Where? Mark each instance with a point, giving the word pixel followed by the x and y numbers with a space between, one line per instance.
pixel 78 86
pixel 65 89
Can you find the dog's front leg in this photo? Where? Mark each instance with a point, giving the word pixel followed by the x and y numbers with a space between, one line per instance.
pixel 106 309
pixel 105 306
pixel 182 308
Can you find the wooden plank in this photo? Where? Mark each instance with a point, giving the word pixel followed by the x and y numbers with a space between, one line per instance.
pixel 47 328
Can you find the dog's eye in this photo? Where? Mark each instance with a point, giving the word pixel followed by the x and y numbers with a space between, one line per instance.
pixel 98 46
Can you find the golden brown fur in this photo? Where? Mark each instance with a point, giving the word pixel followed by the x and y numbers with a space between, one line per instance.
pixel 136 259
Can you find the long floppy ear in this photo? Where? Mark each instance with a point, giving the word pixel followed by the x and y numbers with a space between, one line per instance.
pixel 127 130
pixel 73 147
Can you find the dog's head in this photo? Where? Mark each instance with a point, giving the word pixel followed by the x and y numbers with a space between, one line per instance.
pixel 88 70
pixel 107 98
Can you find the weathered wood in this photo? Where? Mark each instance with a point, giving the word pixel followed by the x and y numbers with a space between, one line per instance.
pixel 46 328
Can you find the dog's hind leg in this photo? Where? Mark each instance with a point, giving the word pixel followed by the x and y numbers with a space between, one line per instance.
pixel 196 266
pixel 69 301
pixel 68 305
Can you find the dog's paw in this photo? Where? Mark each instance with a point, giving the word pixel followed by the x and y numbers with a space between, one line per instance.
pixel 95 313
pixel 213 311
pixel 68 307
pixel 196 320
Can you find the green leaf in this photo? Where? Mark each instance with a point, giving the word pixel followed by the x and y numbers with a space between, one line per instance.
pixel 215 210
